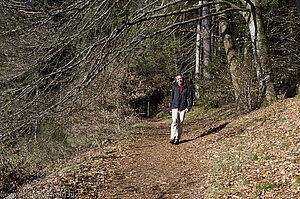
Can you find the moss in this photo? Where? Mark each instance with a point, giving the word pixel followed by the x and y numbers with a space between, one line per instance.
pixel 266 185
pixel 297 180
pixel 72 167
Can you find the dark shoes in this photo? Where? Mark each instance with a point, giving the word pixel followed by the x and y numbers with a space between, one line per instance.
pixel 174 141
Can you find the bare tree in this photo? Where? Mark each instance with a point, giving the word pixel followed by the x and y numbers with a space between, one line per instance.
pixel 260 49
pixel 55 51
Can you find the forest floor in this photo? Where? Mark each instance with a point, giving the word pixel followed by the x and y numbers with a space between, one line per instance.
pixel 222 154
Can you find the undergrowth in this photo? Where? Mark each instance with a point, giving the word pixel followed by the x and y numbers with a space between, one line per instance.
pixel 53 144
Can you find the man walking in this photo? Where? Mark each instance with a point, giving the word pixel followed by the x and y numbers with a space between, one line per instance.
pixel 180 103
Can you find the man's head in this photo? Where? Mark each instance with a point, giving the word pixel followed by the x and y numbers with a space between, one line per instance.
pixel 179 79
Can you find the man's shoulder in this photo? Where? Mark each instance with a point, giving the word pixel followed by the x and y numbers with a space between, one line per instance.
pixel 186 86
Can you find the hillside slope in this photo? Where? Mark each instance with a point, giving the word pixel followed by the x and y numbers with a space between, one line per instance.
pixel 222 154
pixel 257 155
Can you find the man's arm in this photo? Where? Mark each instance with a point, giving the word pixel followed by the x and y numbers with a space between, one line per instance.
pixel 171 99
pixel 190 99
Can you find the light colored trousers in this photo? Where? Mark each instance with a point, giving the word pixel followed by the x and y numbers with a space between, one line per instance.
pixel 177 123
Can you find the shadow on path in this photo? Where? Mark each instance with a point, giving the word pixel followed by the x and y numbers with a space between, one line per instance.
pixel 210 131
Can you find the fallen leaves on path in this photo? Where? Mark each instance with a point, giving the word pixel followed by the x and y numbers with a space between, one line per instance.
pixel 221 155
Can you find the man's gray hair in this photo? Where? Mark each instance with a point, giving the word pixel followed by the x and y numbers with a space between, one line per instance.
pixel 179 75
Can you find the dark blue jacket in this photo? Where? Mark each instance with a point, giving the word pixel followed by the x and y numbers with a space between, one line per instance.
pixel 182 101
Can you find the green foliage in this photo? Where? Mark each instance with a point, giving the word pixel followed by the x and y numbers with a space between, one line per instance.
pixel 170 51
pixel 72 167
pixel 255 157
pixel 207 103
pixel 215 90
pixel 266 185
pixel 170 48
pixel 297 179
pixel 298 96
pixel 281 34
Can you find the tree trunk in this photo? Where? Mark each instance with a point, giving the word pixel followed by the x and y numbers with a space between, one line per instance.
pixel 298 7
pixel 260 50
pixel 232 59
pixel 206 39
pixel 198 53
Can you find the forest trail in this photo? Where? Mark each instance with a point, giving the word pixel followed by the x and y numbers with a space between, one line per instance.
pixel 221 153
pixel 145 166
pixel 155 168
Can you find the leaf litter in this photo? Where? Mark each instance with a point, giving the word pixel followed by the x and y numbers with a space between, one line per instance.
pixel 222 154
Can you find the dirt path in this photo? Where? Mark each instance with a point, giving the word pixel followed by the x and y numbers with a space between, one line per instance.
pixel 154 168
pixel 221 154
pixel 145 166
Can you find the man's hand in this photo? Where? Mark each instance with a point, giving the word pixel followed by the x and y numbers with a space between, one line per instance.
pixel 186 110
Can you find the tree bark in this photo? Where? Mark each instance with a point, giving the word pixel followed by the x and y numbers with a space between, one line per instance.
pixel 260 50
pixel 198 55
pixel 206 39
pixel 232 58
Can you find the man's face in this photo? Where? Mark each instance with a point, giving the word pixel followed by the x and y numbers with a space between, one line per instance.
pixel 179 80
